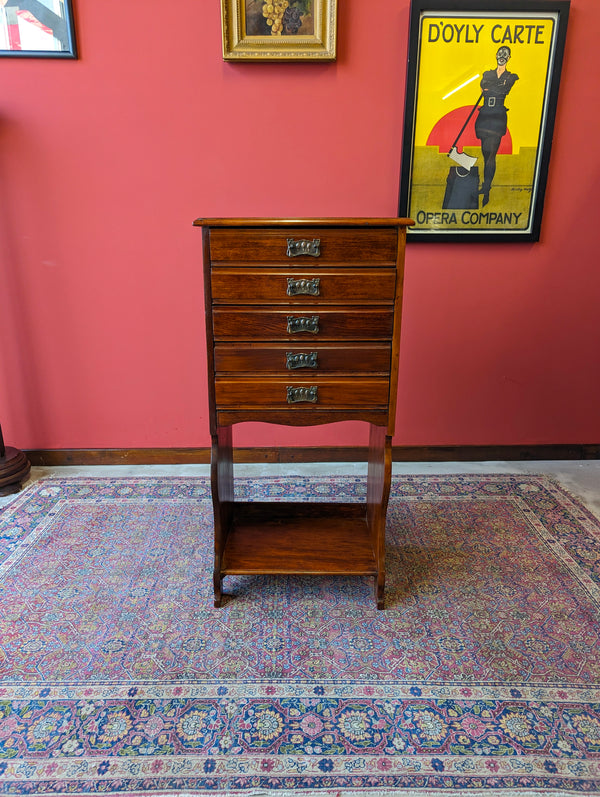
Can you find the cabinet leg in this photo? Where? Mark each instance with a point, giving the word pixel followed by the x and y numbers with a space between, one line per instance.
pixel 378 491
pixel 218 588
pixel 222 497
pixel 380 591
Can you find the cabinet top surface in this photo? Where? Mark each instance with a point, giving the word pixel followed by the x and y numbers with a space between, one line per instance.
pixel 316 222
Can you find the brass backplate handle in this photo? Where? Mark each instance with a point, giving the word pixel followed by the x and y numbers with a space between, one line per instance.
pixel 306 287
pixel 303 247
pixel 302 324
pixel 297 394
pixel 301 360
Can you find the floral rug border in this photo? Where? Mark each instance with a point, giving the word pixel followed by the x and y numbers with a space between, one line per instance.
pixel 555 728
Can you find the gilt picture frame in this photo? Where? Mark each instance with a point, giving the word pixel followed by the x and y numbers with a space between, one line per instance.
pixel 279 30
pixel 481 96
pixel 37 29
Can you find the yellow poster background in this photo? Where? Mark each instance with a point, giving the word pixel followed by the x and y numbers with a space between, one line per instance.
pixel 455 50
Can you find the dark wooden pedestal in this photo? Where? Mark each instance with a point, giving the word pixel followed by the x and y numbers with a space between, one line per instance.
pixel 14 470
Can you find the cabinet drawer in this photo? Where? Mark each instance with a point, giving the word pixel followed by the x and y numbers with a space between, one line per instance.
pixel 257 286
pixel 335 245
pixel 352 392
pixel 305 323
pixel 285 358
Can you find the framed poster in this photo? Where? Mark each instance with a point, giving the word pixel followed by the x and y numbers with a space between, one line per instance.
pixel 37 29
pixel 482 87
pixel 279 30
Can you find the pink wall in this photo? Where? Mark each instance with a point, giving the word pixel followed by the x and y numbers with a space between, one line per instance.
pixel 107 160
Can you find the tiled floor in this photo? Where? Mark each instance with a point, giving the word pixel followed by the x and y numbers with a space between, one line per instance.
pixel 580 477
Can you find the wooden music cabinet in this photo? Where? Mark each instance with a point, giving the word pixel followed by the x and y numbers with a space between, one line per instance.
pixel 303 328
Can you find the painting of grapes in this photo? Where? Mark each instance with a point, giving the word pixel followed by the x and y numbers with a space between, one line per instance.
pixel 278 30
pixel 279 18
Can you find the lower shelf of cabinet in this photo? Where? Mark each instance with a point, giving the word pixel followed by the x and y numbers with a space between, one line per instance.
pixel 298 538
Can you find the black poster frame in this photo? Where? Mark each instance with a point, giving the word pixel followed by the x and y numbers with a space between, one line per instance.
pixel 436 179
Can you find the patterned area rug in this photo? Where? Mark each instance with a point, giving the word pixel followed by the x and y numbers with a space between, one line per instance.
pixel 117 675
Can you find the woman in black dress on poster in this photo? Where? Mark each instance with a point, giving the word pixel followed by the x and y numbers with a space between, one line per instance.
pixel 491 122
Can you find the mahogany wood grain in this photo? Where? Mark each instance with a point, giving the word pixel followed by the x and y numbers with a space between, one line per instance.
pixel 297 224
pixel 334 358
pixel 378 492
pixel 299 416
pixel 347 348
pixel 397 329
pixel 283 538
pixel 271 323
pixel 222 497
pixel 263 286
pixel 208 320
pixel 336 245
pixel 334 393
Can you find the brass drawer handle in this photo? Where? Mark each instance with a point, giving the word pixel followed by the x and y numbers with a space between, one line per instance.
pixel 296 394
pixel 301 360
pixel 303 286
pixel 303 247
pixel 302 324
